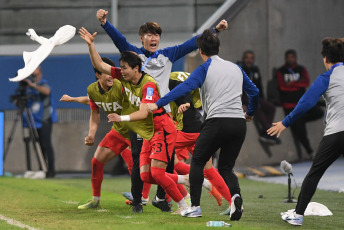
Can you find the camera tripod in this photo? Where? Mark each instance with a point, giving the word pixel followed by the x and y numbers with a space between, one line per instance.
pixel 31 137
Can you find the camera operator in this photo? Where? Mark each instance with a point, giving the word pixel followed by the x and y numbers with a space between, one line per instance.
pixel 41 104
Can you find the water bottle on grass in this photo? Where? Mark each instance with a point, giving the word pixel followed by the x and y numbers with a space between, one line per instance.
pixel 218 224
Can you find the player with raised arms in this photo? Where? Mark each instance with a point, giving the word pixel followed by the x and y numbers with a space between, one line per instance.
pixel 158 64
pixel 157 130
pixel 105 94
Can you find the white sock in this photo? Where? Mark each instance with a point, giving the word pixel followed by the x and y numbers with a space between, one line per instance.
pixel 158 199
pixel 187 196
pixel 96 198
pixel 207 185
pixel 182 203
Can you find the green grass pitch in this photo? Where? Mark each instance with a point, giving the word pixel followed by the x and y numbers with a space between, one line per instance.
pixel 52 204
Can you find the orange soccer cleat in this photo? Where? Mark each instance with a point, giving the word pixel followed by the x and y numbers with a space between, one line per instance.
pixel 216 195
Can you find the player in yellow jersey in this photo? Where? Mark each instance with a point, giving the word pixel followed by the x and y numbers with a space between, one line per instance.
pixel 157 130
pixel 105 94
pixel 101 96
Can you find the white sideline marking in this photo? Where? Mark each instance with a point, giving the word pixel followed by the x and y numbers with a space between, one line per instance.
pixel 102 210
pixel 124 217
pixel 69 202
pixel 16 223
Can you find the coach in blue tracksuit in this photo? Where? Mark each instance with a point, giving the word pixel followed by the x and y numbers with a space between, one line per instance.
pixel 330 85
pixel 221 83
pixel 157 63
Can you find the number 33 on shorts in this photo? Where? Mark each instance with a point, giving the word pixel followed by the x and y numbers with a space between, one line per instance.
pixel 156 148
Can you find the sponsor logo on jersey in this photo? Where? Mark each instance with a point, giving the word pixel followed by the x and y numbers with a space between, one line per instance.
pixel 111 106
pixel 149 95
pixel 291 77
pixel 134 100
pixel 182 76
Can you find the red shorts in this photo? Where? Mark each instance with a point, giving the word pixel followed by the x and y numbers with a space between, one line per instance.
pixel 114 141
pixel 185 143
pixel 161 146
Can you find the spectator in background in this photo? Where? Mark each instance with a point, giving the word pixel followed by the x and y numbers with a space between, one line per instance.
pixel 44 114
pixel 293 79
pixel 266 111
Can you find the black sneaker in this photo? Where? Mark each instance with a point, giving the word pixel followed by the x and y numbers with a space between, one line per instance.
pixel 236 207
pixel 137 208
pixel 162 205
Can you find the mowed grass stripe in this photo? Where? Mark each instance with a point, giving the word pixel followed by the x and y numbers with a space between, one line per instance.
pixel 52 204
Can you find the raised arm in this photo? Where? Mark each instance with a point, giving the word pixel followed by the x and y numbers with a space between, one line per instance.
pixel 117 37
pixel 97 62
pixel 176 52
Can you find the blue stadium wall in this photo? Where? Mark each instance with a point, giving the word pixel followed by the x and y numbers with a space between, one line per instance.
pixel 66 75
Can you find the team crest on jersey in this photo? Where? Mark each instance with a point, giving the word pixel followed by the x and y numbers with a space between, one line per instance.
pixel 149 95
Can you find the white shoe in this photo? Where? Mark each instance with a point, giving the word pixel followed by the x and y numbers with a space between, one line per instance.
pixel 293 218
pixel 39 175
pixel 145 201
pixel 28 174
pixel 226 212
pixel 179 210
pixel 192 212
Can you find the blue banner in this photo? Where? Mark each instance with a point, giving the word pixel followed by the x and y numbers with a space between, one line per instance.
pixel 65 74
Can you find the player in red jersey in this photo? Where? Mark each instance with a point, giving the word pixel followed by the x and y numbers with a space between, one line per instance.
pixel 157 130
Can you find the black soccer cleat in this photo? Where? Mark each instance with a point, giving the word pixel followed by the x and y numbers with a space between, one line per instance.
pixel 236 207
pixel 137 207
pixel 162 205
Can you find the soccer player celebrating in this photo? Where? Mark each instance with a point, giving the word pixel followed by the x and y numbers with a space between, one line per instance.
pixel 188 129
pixel 329 85
pixel 157 130
pixel 221 83
pixel 106 89
pixel 105 93
pixel 158 64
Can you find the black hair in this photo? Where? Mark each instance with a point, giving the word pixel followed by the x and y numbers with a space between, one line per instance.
pixel 290 51
pixel 247 52
pixel 208 42
pixel 333 49
pixel 132 59
pixel 150 27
